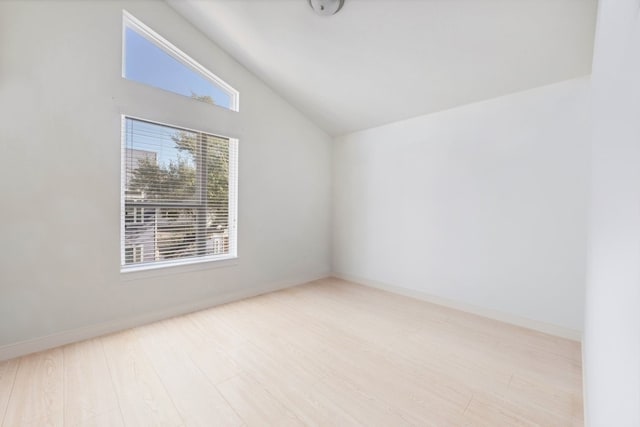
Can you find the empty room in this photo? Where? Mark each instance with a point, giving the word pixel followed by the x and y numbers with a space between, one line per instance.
pixel 320 213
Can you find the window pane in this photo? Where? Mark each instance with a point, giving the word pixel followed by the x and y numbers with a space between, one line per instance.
pixel 160 163
pixel 176 193
pixel 147 63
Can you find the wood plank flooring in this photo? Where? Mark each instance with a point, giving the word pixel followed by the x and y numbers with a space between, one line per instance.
pixel 327 353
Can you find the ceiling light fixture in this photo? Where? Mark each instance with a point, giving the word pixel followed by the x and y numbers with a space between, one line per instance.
pixel 326 7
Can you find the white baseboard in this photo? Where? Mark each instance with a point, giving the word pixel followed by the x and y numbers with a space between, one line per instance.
pixel 57 339
pixel 524 322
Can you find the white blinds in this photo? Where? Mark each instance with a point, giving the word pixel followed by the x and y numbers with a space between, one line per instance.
pixel 178 194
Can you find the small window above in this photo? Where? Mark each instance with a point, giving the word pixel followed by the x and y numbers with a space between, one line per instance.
pixel 150 59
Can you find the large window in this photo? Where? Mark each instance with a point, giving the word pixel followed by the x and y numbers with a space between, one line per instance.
pixel 150 59
pixel 178 195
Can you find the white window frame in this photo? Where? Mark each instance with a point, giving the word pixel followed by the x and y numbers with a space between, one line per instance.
pixel 155 38
pixel 232 205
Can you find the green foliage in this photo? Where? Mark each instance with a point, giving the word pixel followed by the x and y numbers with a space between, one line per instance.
pixel 203 98
pixel 216 152
pixel 174 182
pixel 177 180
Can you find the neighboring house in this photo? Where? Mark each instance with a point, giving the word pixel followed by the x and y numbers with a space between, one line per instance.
pixel 133 158
pixel 219 242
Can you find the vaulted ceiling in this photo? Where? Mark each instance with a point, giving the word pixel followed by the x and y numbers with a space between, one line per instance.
pixel 379 61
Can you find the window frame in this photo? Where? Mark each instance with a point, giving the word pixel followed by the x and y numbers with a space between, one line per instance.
pixel 134 23
pixel 232 204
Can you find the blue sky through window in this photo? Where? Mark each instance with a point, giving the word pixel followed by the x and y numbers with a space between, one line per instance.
pixel 147 63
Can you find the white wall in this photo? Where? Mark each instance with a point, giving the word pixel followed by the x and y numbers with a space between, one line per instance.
pixel 61 97
pixel 612 316
pixel 483 205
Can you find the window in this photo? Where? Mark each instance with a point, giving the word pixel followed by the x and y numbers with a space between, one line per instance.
pixel 150 59
pixel 178 196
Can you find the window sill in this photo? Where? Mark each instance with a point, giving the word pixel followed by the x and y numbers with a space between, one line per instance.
pixel 159 270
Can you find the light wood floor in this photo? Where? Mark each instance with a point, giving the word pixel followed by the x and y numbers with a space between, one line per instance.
pixel 327 353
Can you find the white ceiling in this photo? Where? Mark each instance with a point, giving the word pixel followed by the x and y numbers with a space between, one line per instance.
pixel 379 61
